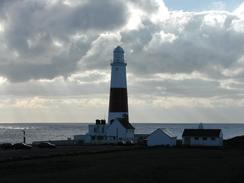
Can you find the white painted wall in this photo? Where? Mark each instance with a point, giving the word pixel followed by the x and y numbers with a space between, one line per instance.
pixel 119 132
pixel 97 129
pixel 118 75
pixel 96 134
pixel 159 138
pixel 207 142
pixel 110 133
pixel 218 141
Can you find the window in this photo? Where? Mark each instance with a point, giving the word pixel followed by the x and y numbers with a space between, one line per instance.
pixel 204 138
pixel 196 138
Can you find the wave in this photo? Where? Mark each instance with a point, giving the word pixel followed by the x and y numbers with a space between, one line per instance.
pixel 16 127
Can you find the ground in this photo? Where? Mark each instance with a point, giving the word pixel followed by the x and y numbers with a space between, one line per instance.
pixel 129 165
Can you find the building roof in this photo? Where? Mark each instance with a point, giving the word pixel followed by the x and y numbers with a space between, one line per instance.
pixel 201 133
pixel 125 123
pixel 167 132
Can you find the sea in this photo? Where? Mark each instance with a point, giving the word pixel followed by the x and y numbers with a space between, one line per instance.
pixel 13 132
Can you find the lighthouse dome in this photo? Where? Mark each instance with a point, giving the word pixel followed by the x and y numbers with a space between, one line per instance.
pixel 118 55
pixel 119 49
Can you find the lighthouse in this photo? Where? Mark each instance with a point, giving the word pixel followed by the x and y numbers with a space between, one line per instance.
pixel 118 101
pixel 118 129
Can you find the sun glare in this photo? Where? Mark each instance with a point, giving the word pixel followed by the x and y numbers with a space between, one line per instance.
pixel 135 18
pixel 1 27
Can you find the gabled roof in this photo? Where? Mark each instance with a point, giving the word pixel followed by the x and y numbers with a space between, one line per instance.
pixel 124 122
pixel 167 132
pixel 164 131
pixel 201 133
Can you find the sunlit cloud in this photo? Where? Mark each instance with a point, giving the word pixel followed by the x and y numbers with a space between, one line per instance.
pixel 1 27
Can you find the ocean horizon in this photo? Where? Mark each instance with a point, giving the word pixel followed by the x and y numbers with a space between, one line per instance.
pixel 13 132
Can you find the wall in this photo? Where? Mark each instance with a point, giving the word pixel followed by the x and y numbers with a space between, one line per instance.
pixel 97 133
pixel 207 142
pixel 97 129
pixel 160 138
pixel 118 131
pixel 82 138
pixel 118 75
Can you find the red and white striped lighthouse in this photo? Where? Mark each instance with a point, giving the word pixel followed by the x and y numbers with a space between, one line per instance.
pixel 118 102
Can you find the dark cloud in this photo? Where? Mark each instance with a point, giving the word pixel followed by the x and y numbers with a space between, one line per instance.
pixel 183 43
pixel 31 29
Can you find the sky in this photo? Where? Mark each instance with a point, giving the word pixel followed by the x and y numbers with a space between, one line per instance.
pixel 185 59
pixel 194 5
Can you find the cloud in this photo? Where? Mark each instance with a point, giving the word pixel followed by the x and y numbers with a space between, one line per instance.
pixel 32 30
pixel 62 49
pixel 37 44
pixel 204 42
pixel 240 10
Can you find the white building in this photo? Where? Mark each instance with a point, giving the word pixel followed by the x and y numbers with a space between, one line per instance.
pixel 119 130
pixel 202 137
pixel 161 137
pixel 97 132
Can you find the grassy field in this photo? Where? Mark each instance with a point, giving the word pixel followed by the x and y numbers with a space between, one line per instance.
pixel 130 165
